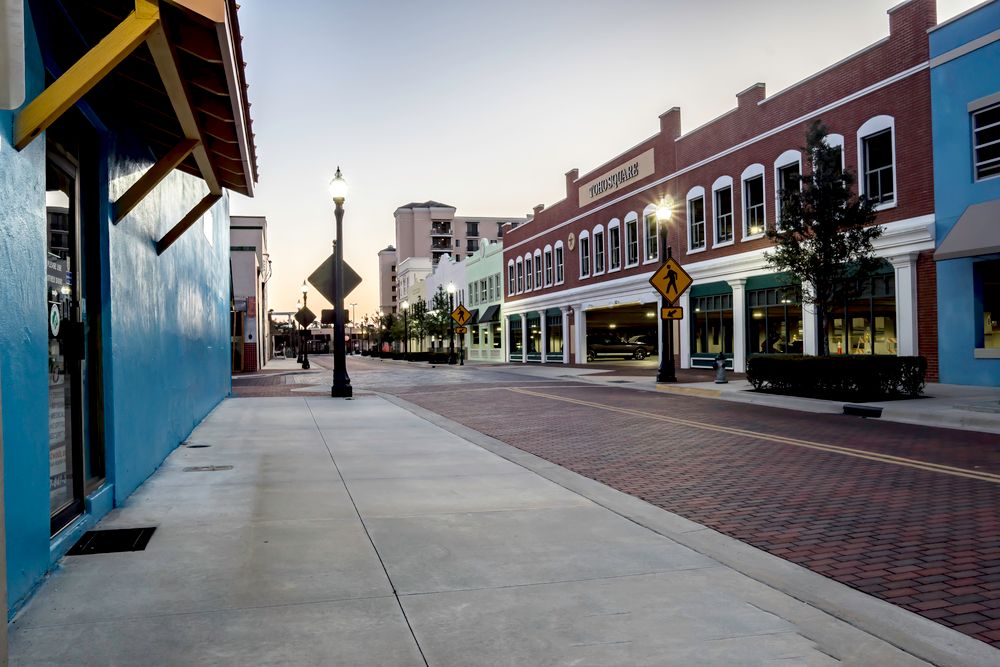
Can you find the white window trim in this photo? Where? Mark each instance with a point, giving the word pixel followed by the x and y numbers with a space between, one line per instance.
pixel 787 158
pixel 646 259
pixel 979 106
pixel 579 253
pixel 599 229
pixel 752 171
pixel 511 278
pixel 539 270
pixel 694 193
pixel 548 253
pixel 867 129
pixel 614 224
pixel 555 263
pixel 721 183
pixel 527 273
pixel 632 217
pixel 519 272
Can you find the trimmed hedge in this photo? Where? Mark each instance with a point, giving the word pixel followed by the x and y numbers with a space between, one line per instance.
pixel 840 377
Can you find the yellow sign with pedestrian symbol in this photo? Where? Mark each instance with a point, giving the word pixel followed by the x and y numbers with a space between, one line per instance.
pixel 671 280
pixel 672 313
pixel 461 330
pixel 461 315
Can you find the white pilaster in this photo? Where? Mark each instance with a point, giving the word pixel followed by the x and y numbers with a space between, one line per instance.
pixel 684 334
pixel 906 303
pixel 580 335
pixel 544 329
pixel 524 338
pixel 739 324
pixel 505 332
pixel 565 333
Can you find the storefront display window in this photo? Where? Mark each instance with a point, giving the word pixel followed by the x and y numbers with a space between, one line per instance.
pixel 515 336
pixel 498 336
pixel 712 324
pixel 774 321
pixel 866 324
pixel 554 334
pixel 988 279
pixel 534 334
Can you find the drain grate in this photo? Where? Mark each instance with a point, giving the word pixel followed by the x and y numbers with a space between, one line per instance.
pixel 112 541
pixel 197 446
pixel 207 468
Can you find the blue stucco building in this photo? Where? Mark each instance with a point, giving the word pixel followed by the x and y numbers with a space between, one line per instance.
pixel 965 95
pixel 114 256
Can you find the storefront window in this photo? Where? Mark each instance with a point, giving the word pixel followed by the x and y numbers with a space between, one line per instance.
pixel 554 334
pixel 515 336
pixel 988 277
pixel 866 324
pixel 712 324
pixel 498 336
pixel 534 334
pixel 774 321
pixel 475 335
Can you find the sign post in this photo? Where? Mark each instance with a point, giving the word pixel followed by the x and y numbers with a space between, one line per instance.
pixel 461 315
pixel 670 280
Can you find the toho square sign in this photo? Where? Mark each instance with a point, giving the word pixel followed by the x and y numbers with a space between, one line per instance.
pixel 618 178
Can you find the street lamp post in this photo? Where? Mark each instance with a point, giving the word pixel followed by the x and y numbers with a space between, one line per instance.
pixel 305 330
pixel 341 380
pixel 451 324
pixel 666 372
pixel 354 326
pixel 298 333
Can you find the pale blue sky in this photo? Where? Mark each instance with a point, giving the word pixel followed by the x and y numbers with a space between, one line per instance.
pixel 486 105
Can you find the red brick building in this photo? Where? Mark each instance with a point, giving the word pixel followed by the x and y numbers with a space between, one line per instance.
pixel 578 271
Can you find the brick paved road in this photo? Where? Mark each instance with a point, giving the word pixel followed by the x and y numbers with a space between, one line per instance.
pixel 906 513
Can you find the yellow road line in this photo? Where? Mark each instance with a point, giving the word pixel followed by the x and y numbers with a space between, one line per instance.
pixel 831 449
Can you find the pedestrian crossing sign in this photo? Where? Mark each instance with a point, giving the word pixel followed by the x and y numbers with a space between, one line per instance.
pixel 461 315
pixel 671 280
pixel 672 313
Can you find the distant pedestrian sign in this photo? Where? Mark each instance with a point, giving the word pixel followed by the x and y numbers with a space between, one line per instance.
pixel 461 315
pixel 324 281
pixel 670 280
pixel 461 330
pixel 672 313
pixel 305 317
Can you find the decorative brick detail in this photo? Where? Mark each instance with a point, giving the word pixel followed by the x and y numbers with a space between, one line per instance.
pixel 927 328
pixel 249 357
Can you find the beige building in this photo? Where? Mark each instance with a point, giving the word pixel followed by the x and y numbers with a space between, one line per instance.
pixel 251 269
pixel 388 293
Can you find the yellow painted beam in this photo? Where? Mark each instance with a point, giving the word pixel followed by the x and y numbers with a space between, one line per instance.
pixel 180 100
pixel 200 209
pixel 151 178
pixel 67 90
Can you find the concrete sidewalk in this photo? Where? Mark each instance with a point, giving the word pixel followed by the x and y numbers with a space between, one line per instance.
pixel 358 533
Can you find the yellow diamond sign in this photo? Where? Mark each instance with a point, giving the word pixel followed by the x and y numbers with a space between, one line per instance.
pixel 670 280
pixel 461 315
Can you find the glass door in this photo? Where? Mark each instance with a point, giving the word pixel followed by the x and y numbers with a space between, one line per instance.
pixel 66 341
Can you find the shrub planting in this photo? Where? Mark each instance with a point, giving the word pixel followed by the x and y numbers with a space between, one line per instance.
pixel 838 377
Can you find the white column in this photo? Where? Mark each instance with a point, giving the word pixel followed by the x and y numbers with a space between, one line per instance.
pixel 739 324
pixel 565 333
pixel 906 304
pixel 810 327
pixel 524 338
pixel 684 335
pixel 580 335
pixel 505 333
pixel 544 344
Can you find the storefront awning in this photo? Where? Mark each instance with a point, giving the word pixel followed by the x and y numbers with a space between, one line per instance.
pixel 977 232
pixel 491 314
pixel 474 318
pixel 169 71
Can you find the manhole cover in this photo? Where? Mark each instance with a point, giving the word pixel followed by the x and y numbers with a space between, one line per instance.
pixel 112 541
pixel 207 468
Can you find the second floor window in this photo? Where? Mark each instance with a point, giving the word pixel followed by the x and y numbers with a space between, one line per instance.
pixel 548 267
pixel 520 276
pixel 652 245
pixel 788 184
pixel 753 206
pixel 559 264
pixel 584 256
pixel 724 215
pixel 538 270
pixel 614 248
pixel 986 142
pixel 482 290
pixel 696 223
pixel 472 229
pixel 878 167
pixel 527 273
pixel 631 242
pixel 598 252
pixel 511 285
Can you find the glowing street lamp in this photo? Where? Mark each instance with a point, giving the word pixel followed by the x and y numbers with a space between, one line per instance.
pixel 451 324
pixel 305 330
pixel 406 329
pixel 341 380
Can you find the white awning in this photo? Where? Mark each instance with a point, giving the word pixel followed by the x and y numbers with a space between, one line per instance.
pixel 977 232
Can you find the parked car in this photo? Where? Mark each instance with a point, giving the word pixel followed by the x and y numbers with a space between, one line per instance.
pixel 647 342
pixel 610 345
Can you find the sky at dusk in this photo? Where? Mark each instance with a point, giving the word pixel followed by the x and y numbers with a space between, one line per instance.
pixel 485 106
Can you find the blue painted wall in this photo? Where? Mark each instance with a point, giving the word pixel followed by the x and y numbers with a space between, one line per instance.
pixel 163 322
pixel 24 346
pixel 953 85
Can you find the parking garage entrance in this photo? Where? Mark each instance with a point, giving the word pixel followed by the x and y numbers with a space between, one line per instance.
pixel 622 332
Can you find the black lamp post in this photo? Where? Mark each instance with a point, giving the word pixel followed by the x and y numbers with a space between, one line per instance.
pixel 666 372
pixel 305 330
pixel 341 380
pixel 405 307
pixel 298 333
pixel 354 328
pixel 451 324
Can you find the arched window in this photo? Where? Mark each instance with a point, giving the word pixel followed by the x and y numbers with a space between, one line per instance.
pixel 584 244
pixel 527 272
pixel 520 275
pixel 754 207
pixel 538 269
pixel 696 219
pixel 631 239
pixel 549 271
pixel 599 250
pixel 559 262
pixel 722 210
pixel 511 284
pixel 651 242
pixel 787 179
pixel 614 245
pixel 877 160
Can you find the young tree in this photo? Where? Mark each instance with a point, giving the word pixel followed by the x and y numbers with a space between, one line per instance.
pixel 825 233
pixel 418 321
pixel 440 314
